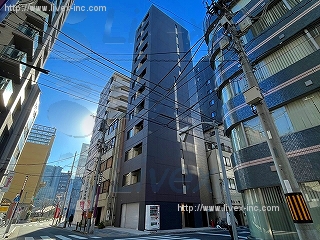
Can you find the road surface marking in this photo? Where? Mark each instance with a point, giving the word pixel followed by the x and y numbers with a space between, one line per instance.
pixel 62 237
pixel 160 237
pixel 76 236
pixel 95 237
pixel 219 234
pixel 46 237
pixel 28 238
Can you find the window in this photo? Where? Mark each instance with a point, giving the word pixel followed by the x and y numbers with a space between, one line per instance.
pixel 209 91
pixel 144 48
pixel 133 152
pixel 269 17
pixel 103 166
pixel 130 116
pixel 142 74
pixel 130 133
pixel 139 127
pixel 232 184
pixel 213 114
pixel 131 178
pixel 133 97
pixel 133 84
pixel 109 162
pixel 211 102
pixel 227 161
pixel 140 107
pixel 145 36
pixel 141 89
pixel 105 186
pixel 211 146
pixel 145 27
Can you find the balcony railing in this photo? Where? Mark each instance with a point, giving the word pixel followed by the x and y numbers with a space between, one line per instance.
pixel 10 52
pixel 6 91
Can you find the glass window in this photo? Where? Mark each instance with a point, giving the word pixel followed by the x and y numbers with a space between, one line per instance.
pixel 211 102
pixel 213 114
pixel 254 131
pixel 238 138
pixel 305 113
pixel 130 133
pixel 282 121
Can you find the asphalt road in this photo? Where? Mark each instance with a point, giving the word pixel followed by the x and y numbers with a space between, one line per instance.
pixel 43 231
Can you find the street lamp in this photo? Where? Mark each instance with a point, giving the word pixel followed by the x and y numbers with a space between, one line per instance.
pixel 183 136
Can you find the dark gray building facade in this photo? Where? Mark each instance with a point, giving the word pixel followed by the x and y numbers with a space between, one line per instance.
pixel 153 171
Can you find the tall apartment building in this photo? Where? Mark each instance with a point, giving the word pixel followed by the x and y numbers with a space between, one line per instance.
pixel 153 170
pixel 112 106
pixel 31 163
pixel 26 39
pixel 210 111
pixel 283 45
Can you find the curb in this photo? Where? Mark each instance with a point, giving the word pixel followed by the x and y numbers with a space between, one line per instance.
pixel 9 233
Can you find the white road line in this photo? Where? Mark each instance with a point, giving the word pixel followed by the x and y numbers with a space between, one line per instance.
pixel 163 237
pixel 28 238
pixel 46 237
pixel 76 236
pixel 219 234
pixel 95 237
pixel 62 237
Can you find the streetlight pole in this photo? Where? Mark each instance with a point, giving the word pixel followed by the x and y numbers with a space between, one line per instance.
pixel 293 195
pixel 90 227
pixel 223 170
pixel 16 206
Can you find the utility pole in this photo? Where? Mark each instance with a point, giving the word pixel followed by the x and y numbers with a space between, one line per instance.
pixel 18 197
pixel 101 147
pixel 65 198
pixel 293 195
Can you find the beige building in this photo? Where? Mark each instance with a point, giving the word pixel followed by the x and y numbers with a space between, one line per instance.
pixel 216 177
pixel 32 162
pixel 112 106
pixel 26 39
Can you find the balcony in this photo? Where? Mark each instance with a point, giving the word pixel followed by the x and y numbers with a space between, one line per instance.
pixel 27 40
pixel 6 90
pixel 11 63
pixel 40 20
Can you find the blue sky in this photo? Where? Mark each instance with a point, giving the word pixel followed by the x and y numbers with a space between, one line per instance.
pixel 111 34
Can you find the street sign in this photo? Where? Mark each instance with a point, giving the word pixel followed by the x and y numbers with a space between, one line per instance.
pixel 7 182
pixel 17 198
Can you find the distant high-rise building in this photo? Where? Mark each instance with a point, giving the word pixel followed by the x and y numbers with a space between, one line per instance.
pixel 26 39
pixel 47 193
pixel 282 42
pixel 156 167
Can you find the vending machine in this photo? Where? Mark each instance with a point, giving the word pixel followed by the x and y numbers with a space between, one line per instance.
pixel 152 221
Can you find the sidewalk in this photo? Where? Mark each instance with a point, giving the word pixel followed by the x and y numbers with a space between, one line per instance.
pixel 3 229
